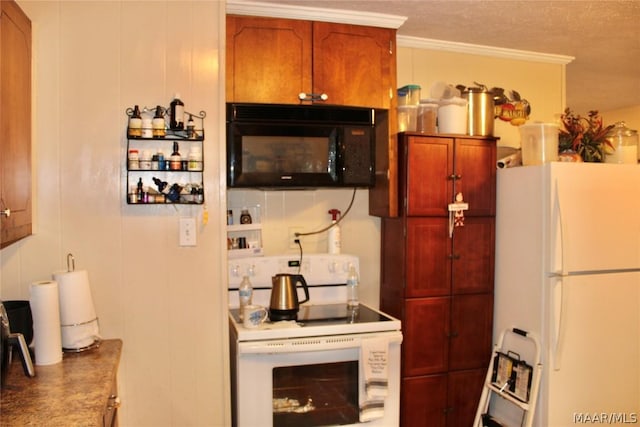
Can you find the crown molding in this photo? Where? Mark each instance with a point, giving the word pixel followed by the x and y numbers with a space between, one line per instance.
pixel 273 10
pixel 473 49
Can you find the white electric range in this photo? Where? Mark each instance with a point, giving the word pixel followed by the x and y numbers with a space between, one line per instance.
pixel 309 371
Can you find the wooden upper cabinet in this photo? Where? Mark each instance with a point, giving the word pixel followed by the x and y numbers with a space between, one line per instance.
pixel 15 123
pixel 268 59
pixel 352 64
pixel 272 60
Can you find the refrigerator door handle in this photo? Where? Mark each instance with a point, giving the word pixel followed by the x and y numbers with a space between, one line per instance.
pixel 562 231
pixel 559 309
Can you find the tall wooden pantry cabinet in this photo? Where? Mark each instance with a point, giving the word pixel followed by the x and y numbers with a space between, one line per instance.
pixel 437 274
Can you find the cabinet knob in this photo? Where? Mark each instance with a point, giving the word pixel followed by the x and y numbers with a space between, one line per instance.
pixel 6 212
pixel 454 176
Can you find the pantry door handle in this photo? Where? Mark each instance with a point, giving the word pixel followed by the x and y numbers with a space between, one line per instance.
pixel 6 212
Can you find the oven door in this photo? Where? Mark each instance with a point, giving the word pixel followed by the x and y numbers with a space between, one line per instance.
pixel 315 381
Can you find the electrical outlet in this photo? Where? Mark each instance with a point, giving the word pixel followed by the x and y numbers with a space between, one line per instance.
pixel 188 231
pixel 293 237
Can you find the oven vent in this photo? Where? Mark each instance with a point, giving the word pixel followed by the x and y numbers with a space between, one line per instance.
pixel 275 344
pixel 340 340
pixel 307 342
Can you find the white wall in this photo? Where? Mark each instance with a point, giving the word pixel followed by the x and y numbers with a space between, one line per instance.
pixel 92 60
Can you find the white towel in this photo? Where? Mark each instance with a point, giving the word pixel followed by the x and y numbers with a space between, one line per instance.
pixel 374 354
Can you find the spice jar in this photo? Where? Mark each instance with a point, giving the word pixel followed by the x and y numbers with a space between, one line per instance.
pixel 134 160
pixel 195 159
pixel 624 143
pixel 145 160
pixel 135 123
pixel 245 216
pixel 158 123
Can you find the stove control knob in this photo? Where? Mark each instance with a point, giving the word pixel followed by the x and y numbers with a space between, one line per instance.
pixel 251 270
pixel 235 271
pixel 333 266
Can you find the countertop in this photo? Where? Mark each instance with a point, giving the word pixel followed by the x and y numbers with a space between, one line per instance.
pixel 73 392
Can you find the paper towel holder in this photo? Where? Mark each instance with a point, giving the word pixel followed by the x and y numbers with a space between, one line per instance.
pixel 71 262
pixel 71 267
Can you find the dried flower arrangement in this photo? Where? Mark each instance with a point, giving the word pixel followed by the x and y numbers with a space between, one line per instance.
pixel 585 136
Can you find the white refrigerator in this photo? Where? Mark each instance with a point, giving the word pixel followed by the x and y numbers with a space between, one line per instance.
pixel 568 270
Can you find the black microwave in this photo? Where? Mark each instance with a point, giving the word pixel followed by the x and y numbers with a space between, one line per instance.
pixel 301 146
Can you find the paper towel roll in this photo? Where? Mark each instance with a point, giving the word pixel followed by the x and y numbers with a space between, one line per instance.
pixel 77 312
pixel 45 309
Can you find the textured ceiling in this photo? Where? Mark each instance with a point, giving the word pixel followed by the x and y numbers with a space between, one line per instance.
pixel 603 37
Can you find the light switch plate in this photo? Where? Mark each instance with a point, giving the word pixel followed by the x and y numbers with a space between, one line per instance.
pixel 187 231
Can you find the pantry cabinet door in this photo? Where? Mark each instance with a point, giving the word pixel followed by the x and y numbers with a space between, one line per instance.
pixel 475 169
pixel 428 257
pixel 424 401
pixel 471 331
pixel 473 256
pixel 268 60
pixel 429 175
pixel 425 347
pixel 353 64
pixel 465 388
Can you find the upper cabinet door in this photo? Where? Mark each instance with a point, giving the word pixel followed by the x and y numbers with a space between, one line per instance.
pixel 15 123
pixel 475 168
pixel 354 65
pixel 268 60
pixel 429 175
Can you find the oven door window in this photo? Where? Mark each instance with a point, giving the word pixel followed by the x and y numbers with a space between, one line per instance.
pixel 315 395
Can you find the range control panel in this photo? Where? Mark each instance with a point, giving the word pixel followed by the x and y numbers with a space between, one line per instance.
pixel 317 269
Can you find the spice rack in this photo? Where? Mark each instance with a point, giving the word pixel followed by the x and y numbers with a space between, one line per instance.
pixel 165 181
pixel 244 240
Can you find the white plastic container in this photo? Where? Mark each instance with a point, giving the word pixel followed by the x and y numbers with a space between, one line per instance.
pixel 452 116
pixel 409 95
pixel 539 142
pixel 407 118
